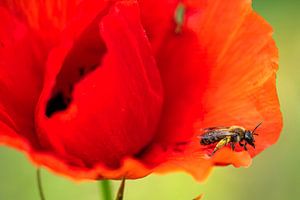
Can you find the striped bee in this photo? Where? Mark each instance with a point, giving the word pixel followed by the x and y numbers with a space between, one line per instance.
pixel 225 135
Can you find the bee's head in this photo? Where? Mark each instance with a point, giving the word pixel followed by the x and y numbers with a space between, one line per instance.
pixel 249 135
pixel 249 138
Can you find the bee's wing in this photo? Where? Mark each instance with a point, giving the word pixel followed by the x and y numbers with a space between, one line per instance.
pixel 216 128
pixel 219 133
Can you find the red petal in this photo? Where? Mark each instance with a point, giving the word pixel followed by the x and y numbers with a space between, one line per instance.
pixel 47 17
pixel 157 18
pixel 115 108
pixel 21 71
pixel 219 71
pixel 43 15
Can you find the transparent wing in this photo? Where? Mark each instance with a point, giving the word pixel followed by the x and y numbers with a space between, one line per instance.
pixel 217 133
pixel 216 128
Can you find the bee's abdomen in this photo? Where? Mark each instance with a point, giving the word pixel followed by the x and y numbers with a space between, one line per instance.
pixel 210 138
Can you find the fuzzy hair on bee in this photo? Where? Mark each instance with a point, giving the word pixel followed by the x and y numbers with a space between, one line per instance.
pixel 224 135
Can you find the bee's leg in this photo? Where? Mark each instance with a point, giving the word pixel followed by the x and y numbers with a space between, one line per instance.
pixel 241 144
pixel 232 144
pixel 221 144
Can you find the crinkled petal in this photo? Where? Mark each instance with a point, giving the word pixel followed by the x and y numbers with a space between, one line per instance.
pixel 102 93
pixel 43 14
pixel 219 71
pixel 21 72
pixel 157 18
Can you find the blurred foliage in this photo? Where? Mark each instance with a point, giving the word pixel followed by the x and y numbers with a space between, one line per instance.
pixel 273 175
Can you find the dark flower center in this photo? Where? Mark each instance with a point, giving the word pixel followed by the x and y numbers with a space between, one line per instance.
pixel 83 58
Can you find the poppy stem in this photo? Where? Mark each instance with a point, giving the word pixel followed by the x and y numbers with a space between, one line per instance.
pixel 39 183
pixel 106 189
pixel 120 193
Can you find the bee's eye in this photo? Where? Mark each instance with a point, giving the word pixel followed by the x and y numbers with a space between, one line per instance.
pixel 248 135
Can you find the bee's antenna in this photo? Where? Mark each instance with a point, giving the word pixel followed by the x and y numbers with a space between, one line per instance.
pixel 256 128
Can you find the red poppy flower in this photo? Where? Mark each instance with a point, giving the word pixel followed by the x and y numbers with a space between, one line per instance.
pixel 111 89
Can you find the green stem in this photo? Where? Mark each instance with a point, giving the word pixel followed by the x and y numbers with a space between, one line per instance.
pixel 106 190
pixel 120 193
pixel 39 183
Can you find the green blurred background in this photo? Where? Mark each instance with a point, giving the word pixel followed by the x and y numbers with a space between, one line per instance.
pixel 273 175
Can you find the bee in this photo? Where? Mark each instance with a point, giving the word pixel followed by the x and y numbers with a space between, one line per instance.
pixel 225 135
